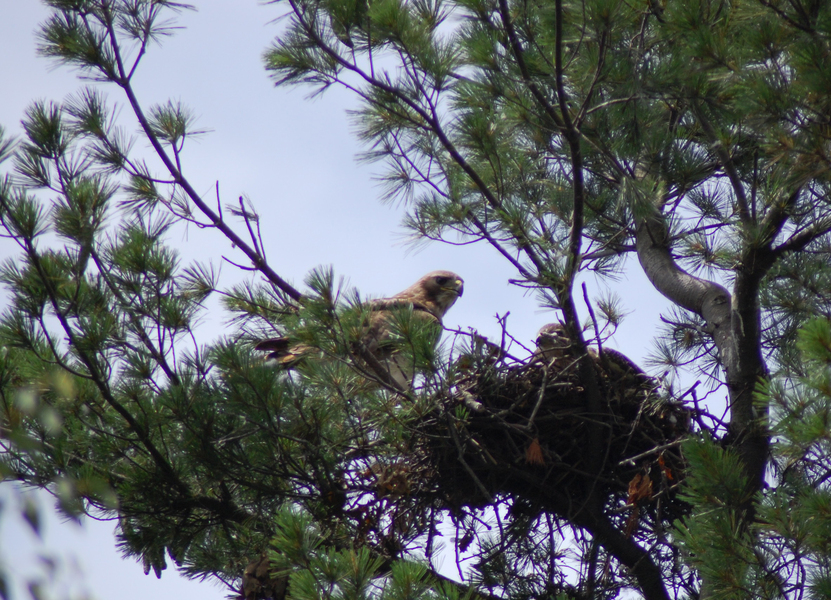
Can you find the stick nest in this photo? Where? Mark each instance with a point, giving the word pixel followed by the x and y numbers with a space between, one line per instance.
pixel 526 430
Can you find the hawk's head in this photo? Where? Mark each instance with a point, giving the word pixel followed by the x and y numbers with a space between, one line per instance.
pixel 436 291
pixel 553 341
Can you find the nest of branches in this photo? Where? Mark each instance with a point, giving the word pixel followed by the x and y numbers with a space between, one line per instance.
pixel 527 430
pixel 523 432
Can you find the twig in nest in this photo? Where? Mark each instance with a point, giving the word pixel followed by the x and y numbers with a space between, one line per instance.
pixel 631 461
pixel 461 458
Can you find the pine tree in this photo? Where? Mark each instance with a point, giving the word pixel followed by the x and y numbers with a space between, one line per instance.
pixel 567 136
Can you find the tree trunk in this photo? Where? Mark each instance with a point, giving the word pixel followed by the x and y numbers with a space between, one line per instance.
pixel 734 323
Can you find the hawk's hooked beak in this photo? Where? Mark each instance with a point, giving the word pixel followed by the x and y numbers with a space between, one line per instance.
pixel 460 287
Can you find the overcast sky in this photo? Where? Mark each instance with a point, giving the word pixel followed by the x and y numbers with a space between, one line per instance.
pixel 295 159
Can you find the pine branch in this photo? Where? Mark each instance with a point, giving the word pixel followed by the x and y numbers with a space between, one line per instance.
pixel 123 81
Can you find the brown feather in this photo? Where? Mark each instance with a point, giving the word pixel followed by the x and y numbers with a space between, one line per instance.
pixel 553 344
pixel 430 298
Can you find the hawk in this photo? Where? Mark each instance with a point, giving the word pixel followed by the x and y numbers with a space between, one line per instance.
pixel 553 344
pixel 430 298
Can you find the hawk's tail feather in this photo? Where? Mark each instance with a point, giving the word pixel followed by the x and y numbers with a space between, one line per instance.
pixel 281 351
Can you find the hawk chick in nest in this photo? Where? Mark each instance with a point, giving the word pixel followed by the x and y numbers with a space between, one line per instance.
pixel 554 344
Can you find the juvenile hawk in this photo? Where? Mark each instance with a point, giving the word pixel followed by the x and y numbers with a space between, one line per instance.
pixel 430 298
pixel 553 343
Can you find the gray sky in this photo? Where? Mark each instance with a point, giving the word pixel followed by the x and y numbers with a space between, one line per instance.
pixel 295 159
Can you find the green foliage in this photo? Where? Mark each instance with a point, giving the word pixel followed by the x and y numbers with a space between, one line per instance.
pixel 715 536
pixel 468 124
pixel 195 448
pixel 786 548
pixel 558 133
pixel 320 573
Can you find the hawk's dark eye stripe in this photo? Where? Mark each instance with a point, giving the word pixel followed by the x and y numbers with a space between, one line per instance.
pixel 441 280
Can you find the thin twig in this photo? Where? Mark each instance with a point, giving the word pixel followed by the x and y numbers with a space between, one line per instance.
pixel 461 456
pixel 594 323
pixel 631 460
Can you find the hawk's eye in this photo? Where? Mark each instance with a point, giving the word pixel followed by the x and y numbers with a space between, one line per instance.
pixel 442 280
